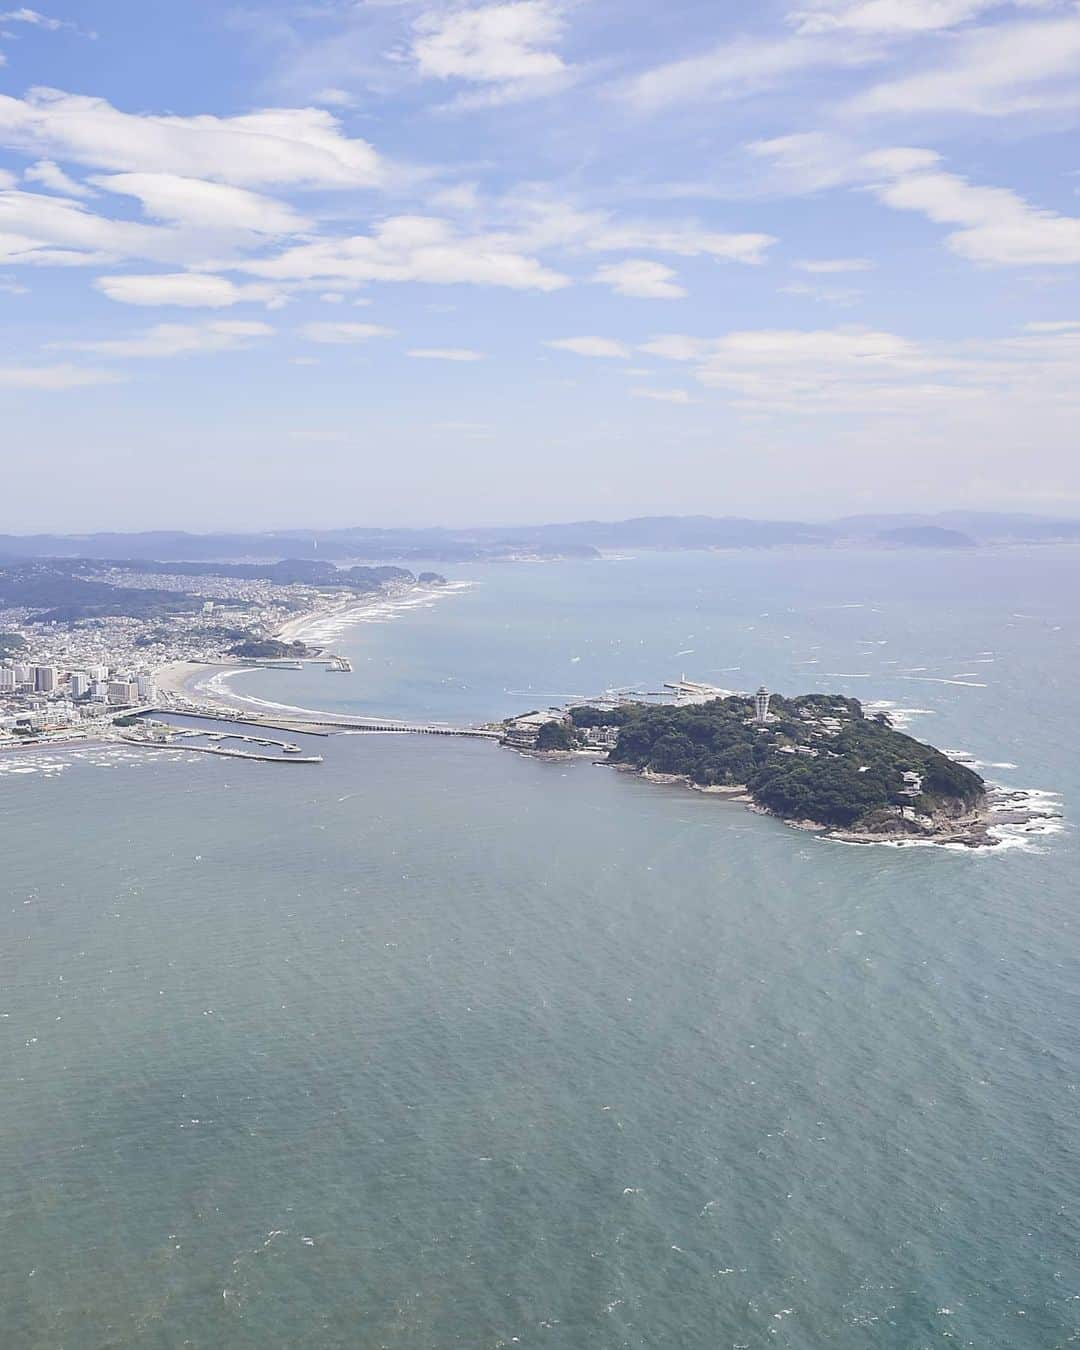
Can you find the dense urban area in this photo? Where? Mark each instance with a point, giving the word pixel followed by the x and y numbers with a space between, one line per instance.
pixel 82 640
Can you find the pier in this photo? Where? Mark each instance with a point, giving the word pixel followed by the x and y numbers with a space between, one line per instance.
pixel 221 750
pixel 180 738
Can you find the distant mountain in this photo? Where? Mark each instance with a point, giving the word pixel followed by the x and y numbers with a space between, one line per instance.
pixel 984 527
pixel 925 536
pixel 576 539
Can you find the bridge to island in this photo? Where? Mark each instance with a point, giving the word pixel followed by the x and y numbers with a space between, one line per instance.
pixel 316 726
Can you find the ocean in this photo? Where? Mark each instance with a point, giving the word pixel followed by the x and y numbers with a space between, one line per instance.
pixel 435 1045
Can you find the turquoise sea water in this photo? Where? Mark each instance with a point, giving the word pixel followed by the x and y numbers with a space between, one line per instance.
pixel 436 1046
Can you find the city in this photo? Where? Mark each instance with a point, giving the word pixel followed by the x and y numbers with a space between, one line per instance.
pixel 70 678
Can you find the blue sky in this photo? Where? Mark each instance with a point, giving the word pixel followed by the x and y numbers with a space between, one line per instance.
pixel 385 261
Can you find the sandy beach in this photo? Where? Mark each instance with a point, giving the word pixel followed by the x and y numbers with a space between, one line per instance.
pixel 208 681
pixel 175 678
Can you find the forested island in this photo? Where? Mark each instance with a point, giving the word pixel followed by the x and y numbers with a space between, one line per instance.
pixel 817 760
pixel 262 649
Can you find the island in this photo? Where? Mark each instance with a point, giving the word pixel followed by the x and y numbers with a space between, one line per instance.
pixel 263 649
pixel 817 761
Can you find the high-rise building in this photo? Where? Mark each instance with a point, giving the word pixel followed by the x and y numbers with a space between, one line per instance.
pixel 80 684
pixel 7 677
pixel 24 674
pixel 761 704
pixel 45 679
pixel 98 672
pixel 122 692
pixel 146 688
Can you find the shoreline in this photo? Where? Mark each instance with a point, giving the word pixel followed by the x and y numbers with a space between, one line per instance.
pixel 208 681
pixel 1002 808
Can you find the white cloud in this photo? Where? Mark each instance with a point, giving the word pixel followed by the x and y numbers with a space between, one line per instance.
pixel 176 339
pixel 641 279
pixel 825 370
pixel 997 225
pixel 592 346
pixel 830 295
pixel 995 71
pixel 54 377
pixel 737 69
pixel 52 177
pixel 677 347
pixel 32 17
pixel 507 45
pixel 334 98
pixel 663 395
pixel 445 354
pixel 56 230
pixel 412 248
pixel 460 197
pixel 189 290
pixel 893 17
pixel 1017 382
pixel 541 222
pixel 204 205
pixel 829 266
pixel 687 241
pixel 300 146
pixel 808 161
pixel 984 63
pixel 342 333
pixel 1053 326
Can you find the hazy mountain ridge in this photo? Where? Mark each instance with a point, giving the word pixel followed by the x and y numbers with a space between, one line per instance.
pixel 586 538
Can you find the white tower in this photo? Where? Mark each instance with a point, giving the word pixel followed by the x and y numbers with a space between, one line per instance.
pixel 761 704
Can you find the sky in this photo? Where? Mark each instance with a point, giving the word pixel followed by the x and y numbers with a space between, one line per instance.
pixel 378 262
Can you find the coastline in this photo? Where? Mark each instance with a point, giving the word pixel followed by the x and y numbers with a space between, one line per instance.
pixel 203 681
pixel 1003 815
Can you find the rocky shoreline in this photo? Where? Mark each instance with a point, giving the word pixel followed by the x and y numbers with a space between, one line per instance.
pixel 970 829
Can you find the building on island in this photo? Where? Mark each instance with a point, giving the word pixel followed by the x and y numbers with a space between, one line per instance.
pixel 761 705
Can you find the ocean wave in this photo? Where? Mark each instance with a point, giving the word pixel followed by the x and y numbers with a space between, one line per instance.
pixel 939 679
pixel 1029 817
pixel 54 760
pixel 901 718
